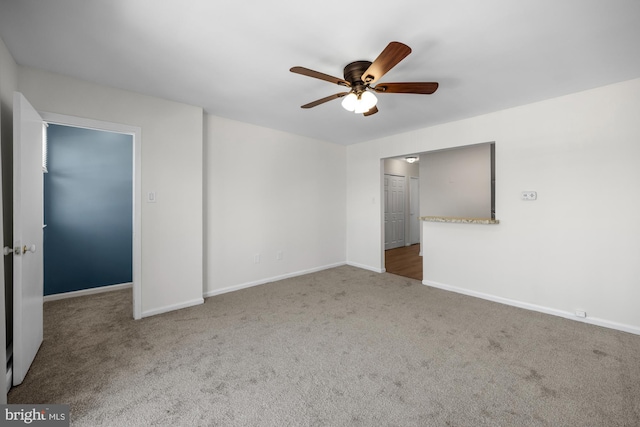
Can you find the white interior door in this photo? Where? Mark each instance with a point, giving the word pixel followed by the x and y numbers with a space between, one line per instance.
pixel 414 210
pixel 27 236
pixel 394 196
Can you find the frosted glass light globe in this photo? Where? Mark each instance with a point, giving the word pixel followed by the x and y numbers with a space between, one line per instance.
pixel 349 102
pixel 368 99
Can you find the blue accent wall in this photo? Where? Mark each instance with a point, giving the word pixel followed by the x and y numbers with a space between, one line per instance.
pixel 88 202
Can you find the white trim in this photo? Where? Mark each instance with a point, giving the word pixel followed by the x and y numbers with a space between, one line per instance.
pixel 91 291
pixel 136 133
pixel 542 309
pixel 381 201
pixel 173 307
pixel 367 267
pixel 270 279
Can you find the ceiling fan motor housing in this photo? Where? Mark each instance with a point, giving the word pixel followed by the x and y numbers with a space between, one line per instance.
pixel 353 74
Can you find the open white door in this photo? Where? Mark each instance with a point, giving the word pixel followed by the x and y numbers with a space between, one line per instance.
pixel 28 282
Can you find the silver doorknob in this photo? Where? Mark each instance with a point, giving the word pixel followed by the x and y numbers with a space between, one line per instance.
pixel 31 249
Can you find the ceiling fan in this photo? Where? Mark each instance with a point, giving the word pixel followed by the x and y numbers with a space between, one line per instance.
pixel 359 76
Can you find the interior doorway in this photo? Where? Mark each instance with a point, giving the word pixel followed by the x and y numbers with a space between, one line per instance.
pixel 135 134
pixel 88 212
pixel 401 228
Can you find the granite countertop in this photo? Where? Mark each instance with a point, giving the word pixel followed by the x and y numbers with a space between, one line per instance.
pixel 460 220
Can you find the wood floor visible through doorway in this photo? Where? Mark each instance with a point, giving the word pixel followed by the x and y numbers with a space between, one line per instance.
pixel 405 261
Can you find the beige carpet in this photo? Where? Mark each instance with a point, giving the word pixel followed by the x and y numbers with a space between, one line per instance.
pixel 342 347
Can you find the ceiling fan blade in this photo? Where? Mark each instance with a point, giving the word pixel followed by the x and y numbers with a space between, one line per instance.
pixel 319 75
pixel 389 58
pixel 425 88
pixel 373 110
pixel 325 99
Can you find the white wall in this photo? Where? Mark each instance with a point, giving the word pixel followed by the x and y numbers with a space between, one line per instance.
pixel 456 182
pixel 172 135
pixel 267 192
pixel 576 247
pixel 365 206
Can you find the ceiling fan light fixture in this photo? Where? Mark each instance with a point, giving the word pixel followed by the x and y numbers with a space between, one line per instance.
pixel 359 103
pixel 350 101
pixel 360 75
pixel 366 101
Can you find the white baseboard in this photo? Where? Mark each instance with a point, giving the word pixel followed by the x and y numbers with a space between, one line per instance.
pixel 534 307
pixel 366 267
pixel 270 279
pixel 173 307
pixel 91 291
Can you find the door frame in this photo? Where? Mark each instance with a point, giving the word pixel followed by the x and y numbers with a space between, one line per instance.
pixel 136 134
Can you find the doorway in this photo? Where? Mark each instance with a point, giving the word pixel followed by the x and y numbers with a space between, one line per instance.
pixel 401 228
pixel 88 196
pixel 135 169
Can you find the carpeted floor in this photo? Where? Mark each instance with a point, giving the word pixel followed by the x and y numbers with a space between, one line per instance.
pixel 341 347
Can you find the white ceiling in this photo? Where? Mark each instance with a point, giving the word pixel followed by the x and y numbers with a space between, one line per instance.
pixel 233 57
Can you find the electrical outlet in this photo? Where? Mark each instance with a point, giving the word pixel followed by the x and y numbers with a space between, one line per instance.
pixel 529 195
pixel 256 259
pixel 279 255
